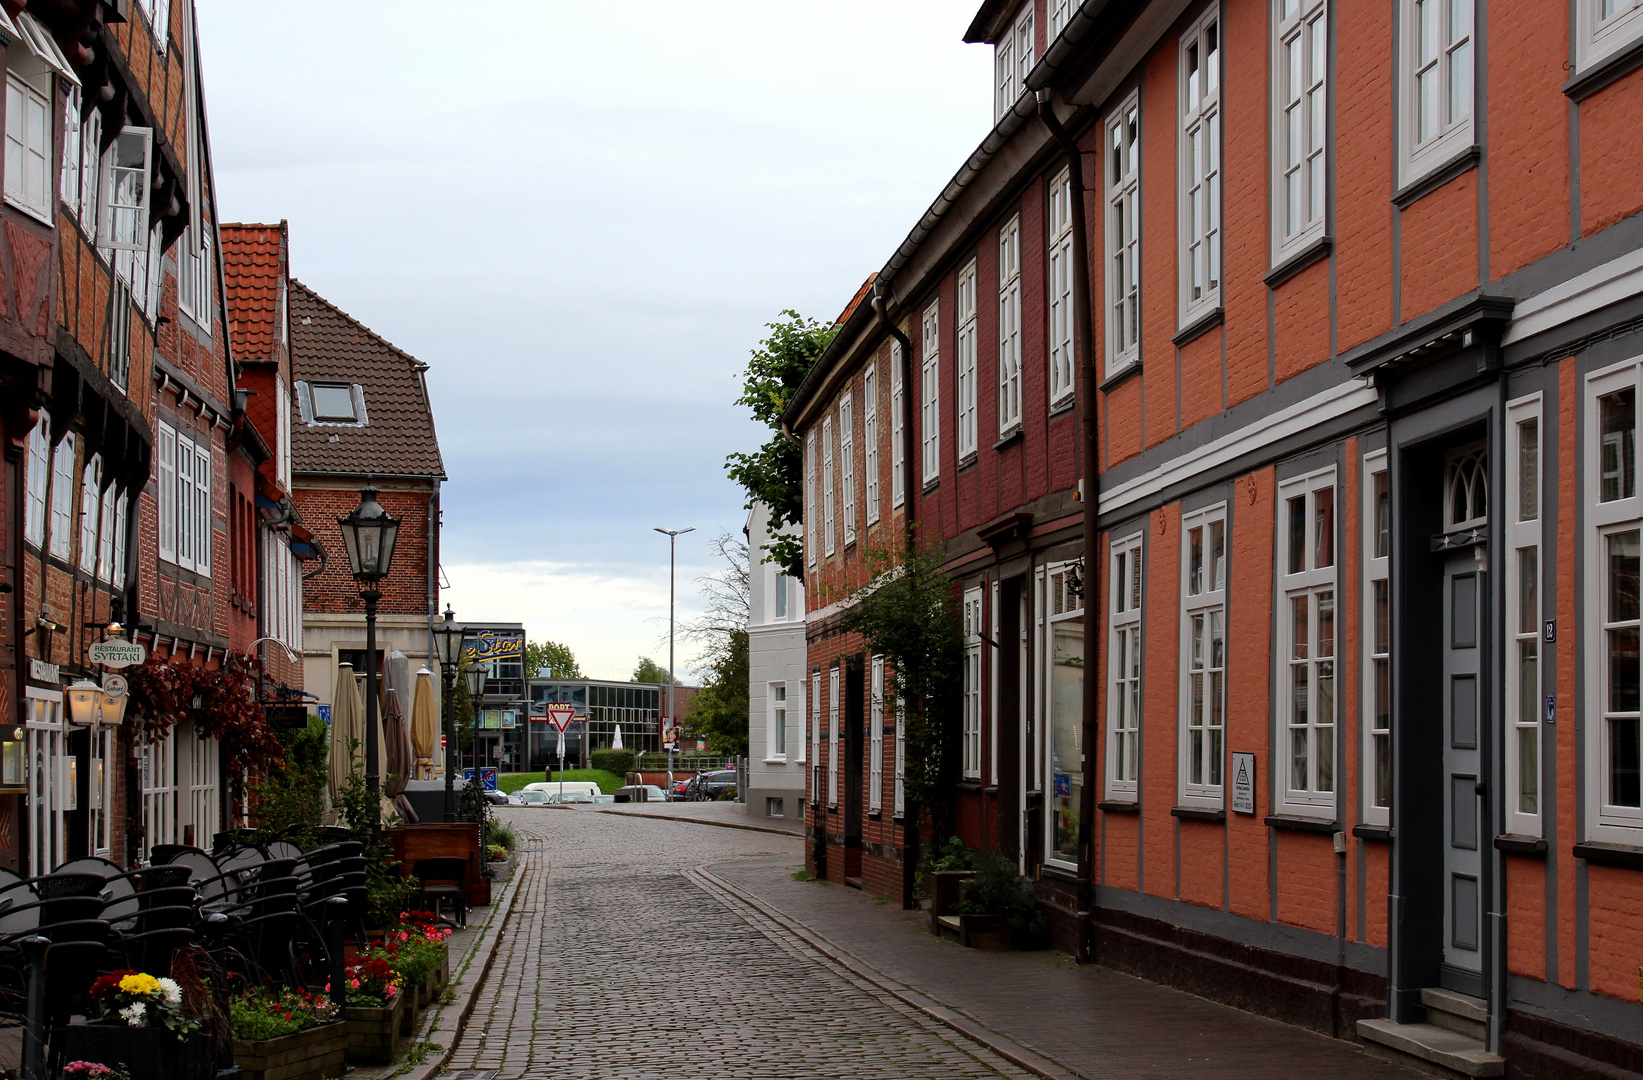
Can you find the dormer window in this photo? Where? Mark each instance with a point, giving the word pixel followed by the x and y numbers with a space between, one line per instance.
pixel 331 403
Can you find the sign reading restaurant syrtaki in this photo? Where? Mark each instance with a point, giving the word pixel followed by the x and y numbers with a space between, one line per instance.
pixel 117 653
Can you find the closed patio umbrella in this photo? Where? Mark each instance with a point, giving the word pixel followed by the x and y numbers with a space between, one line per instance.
pixel 396 734
pixel 616 743
pixel 345 732
pixel 423 725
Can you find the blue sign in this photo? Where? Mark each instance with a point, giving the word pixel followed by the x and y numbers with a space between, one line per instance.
pixel 325 714
pixel 487 778
pixel 1063 785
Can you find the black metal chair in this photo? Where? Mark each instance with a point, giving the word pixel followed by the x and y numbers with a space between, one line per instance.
pixel 443 879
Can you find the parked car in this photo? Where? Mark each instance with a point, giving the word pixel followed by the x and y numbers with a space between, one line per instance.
pixel 603 798
pixel 653 793
pixel 586 787
pixel 497 798
pixel 533 798
pixel 681 789
pixel 707 786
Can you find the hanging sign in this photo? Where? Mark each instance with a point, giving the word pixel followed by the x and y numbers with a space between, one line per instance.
pixel 116 653
pixel 1243 783
pixel 114 687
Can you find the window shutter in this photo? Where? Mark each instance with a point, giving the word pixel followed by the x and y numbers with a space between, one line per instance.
pixel 90 174
pixel 185 503
pixel 127 169
pixel 202 509
pixel 166 468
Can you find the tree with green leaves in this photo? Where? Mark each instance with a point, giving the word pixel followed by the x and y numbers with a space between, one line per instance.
pixel 774 474
pixel 555 657
pixel 649 671
pixel 719 711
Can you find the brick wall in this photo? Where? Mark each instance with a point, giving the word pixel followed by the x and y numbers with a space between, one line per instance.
pixel 405 590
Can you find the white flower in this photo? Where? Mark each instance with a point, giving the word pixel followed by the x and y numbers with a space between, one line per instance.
pixel 135 1013
pixel 173 992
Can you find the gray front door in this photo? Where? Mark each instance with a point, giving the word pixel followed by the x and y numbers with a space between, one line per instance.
pixel 1463 709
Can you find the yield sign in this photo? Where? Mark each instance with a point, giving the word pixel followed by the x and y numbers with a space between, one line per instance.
pixel 560 716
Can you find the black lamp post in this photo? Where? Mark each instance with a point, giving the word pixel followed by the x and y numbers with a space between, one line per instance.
pixel 448 635
pixel 474 675
pixel 368 535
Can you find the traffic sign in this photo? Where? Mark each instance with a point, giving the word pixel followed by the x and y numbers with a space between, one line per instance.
pixel 560 716
pixel 487 778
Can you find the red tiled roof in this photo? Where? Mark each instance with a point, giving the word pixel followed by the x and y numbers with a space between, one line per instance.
pixel 253 261
pixel 861 294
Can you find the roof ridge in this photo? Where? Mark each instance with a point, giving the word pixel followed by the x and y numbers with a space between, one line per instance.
pixel 297 284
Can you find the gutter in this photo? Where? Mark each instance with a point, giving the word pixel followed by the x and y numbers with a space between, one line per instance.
pixel 1089 496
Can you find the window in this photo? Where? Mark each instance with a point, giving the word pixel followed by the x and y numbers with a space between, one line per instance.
pixel 159 21
pixel 184 472
pixel 1124 671
pixel 811 507
pixel 816 732
pixel 49 793
pixel 1306 528
pixel 778 594
pixel 870 438
pixel 69 181
pixel 1523 616
pixel 165 475
pixel 1377 641
pixel 28 144
pixel 847 459
pixel 875 739
pixel 91 138
pixel 828 537
pixel 899 791
pixel 1466 490
pixel 202 786
pixel 1614 743
pixel 1201 168
pixel 972 684
pixel 1203 657
pixel 1064 705
pixel 125 187
pixel 117 568
pixel 282 436
pixel 898 431
pixel 34 485
pixel 1604 28
pixel 1300 69
pixel 776 741
pixel 1061 289
pixel 194 285
pixel 1013 58
pixel 1009 326
pixel 157 766
pixel 119 329
pixel 1435 84
pixel 833 736
pixel 334 403
pixel 964 358
pixel 930 392
pixel 1061 13
pixel 90 503
pixel 62 498
pixel 1123 235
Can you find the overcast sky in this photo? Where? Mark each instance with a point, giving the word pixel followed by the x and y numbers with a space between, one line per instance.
pixel 581 215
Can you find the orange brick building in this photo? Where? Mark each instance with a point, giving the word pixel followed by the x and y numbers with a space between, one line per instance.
pixel 1351 300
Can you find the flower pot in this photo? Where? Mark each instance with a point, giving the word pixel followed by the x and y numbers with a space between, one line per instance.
pixel 984 932
pixel 142 1051
pixel 315 1054
pixel 479 891
pixel 410 998
pixel 373 1034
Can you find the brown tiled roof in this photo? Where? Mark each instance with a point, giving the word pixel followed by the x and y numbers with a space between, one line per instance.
pixel 253 257
pixel 855 301
pixel 398 438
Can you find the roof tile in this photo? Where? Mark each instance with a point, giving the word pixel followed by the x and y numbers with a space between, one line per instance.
pixel 253 262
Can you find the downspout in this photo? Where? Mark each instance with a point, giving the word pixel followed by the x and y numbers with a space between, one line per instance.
pixel 1083 305
pixel 910 812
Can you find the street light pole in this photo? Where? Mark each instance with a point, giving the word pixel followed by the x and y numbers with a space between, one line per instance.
pixel 368 535
pixel 672 543
pixel 448 634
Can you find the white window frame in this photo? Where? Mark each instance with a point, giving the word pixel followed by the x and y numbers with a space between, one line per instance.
pixel 119 322
pixel 282 421
pixel 875 735
pixel 1203 605
pixel 833 737
pixel 1318 582
pixel 1598 38
pixel 847 462
pixel 964 359
pixel 91 174
pixel 117 571
pixel 1054 581
pixel 1013 57
pixel 47 779
pixel 127 167
pixel 165 478
pixel 776 730
pixel 158 13
pixel 899 789
pixel 204 804
pixel 1306 27
pixel 1126 585
pixel 898 430
pixel 1199 189
pixel 1524 649
pixel 1123 234
pixel 971 687
pixel 29 143
pixel 829 535
pixel 1418 156
pixel 36 479
pixel 68 182
pixel 62 498
pixel 870 438
pixel 157 779
pixel 1606 822
pixel 816 726
pixel 194 282
pixel 992 687
pixel 1061 13
pixel 930 392
pixel 106 533
pixel 1060 288
pixel 1009 326
pixel 1377 571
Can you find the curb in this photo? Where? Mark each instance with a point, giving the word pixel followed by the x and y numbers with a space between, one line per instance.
pixel 1034 1061
pixel 704 821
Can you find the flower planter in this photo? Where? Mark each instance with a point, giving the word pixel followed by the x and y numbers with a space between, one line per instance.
pixel 983 932
pixel 142 1051
pixel 479 891
pixel 946 890
pixel 373 1034
pixel 315 1054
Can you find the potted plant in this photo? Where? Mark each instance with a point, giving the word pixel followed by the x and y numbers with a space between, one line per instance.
pixel 375 1006
pixel 143 1028
pixel 944 875
pixel 287 1035
pixel 1000 908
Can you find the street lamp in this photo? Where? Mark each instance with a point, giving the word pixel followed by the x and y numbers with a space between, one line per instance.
pixel 474 676
pixel 368 535
pixel 672 543
pixel 448 637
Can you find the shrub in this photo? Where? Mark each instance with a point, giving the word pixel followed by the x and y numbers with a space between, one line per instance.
pixel 503 836
pixel 621 762
pixel 263 1013
pixel 952 855
pixel 996 889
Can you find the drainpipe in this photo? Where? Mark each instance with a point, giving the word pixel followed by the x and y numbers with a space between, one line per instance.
pixel 910 852
pixel 1083 342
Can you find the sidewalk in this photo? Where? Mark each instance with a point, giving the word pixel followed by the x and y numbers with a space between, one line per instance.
pixel 729 814
pixel 1039 1008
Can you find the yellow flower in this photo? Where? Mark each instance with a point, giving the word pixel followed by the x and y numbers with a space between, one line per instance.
pixel 139 984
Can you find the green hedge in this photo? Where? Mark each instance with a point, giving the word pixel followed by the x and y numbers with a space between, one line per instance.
pixel 619 762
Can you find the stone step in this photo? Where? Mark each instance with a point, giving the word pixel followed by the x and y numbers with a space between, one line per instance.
pixel 1458 1012
pixel 1437 1050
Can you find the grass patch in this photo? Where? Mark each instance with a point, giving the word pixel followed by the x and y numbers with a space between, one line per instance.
pixel 417 1052
pixel 608 781
pixel 803 875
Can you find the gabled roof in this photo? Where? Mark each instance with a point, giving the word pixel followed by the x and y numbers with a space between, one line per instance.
pixel 397 439
pixel 253 258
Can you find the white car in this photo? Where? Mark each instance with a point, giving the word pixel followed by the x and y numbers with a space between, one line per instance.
pixel 534 798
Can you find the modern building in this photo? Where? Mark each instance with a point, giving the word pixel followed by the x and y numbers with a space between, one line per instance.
pixel 601 708
pixel 1276 363
pixel 776 675
pixel 501 709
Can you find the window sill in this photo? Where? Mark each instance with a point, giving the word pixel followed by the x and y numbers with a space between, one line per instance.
pixel 1290 823
pixel 1065 405
pixel 968 461
pixel 1058 873
pixel 930 485
pixel 875 815
pixel 1114 806
pixel 1621 856
pixel 1011 437
pixel 1586 83
pixel 969 783
pixel 1299 261
pixel 1375 834
pixel 1198 813
pixel 775 761
pixel 1527 847
pixel 1436 177
pixel 1200 325
pixel 40 214
pixel 1118 378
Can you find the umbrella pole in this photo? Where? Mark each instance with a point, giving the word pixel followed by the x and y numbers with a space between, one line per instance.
pixel 372 780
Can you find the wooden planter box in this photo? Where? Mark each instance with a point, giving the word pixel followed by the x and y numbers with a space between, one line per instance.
pixel 141 1051
pixel 983 932
pixel 946 888
pixel 459 839
pixel 373 1034
pixel 315 1054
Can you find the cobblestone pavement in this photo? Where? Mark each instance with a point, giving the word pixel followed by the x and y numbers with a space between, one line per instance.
pixel 615 964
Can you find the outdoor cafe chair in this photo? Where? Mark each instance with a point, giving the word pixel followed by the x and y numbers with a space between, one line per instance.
pixel 444 879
